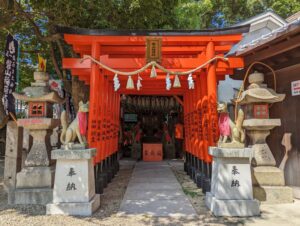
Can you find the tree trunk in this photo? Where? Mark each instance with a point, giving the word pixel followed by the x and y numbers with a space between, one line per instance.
pixel 3 117
pixel 80 92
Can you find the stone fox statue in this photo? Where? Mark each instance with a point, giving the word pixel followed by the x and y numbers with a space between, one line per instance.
pixel 230 130
pixel 77 128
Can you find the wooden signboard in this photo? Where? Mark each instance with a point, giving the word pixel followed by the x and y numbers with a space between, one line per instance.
pixel 153 49
pixel 152 152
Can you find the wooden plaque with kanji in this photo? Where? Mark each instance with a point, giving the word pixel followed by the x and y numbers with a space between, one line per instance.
pixel 153 49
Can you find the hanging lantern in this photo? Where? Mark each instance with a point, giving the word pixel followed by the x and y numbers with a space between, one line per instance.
pixel 139 84
pixel 153 73
pixel 116 82
pixel 176 82
pixel 168 82
pixel 130 84
pixel 191 83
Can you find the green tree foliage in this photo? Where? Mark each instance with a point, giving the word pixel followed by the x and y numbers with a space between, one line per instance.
pixel 233 11
pixel 33 22
pixel 194 14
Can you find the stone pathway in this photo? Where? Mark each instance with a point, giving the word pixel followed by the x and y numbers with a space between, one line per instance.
pixel 154 190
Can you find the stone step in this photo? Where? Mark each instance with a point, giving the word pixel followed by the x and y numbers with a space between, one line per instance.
pixel 273 194
pixel 267 176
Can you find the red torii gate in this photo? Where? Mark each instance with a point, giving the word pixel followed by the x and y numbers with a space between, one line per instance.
pixel 125 51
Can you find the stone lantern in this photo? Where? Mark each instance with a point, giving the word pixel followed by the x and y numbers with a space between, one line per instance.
pixel 35 181
pixel 268 180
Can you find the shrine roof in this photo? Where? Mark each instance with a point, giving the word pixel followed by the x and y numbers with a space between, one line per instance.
pixel 157 32
pixel 290 29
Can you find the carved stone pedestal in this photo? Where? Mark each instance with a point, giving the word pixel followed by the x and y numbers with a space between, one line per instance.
pixel 74 187
pixel 35 181
pixel 231 187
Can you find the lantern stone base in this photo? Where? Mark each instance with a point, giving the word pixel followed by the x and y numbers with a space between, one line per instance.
pixel 231 186
pixel 35 177
pixel 273 194
pixel 41 196
pixel 267 175
pixel 74 185
pixel 269 185
pixel 34 186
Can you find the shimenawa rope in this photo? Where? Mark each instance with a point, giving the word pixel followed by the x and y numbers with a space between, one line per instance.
pixel 151 64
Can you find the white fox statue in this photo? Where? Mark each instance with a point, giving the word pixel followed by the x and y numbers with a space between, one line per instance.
pixel 77 127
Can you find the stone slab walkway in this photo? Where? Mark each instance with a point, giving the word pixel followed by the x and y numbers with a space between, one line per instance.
pixel 154 190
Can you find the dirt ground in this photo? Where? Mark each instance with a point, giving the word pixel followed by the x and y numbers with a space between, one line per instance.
pixel 111 199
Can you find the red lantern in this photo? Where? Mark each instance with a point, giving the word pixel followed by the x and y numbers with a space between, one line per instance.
pixel 261 111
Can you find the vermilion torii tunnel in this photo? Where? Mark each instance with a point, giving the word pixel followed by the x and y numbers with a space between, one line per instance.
pixel 125 50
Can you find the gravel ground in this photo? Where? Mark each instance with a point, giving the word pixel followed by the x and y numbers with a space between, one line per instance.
pixel 35 214
pixel 284 214
pixel 197 198
pixel 110 202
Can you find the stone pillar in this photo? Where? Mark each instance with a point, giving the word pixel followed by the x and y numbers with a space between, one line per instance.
pixel 74 187
pixel 231 188
pixel 41 148
pixel 13 158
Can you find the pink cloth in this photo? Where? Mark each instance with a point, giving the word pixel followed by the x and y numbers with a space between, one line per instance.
pixel 224 124
pixel 82 119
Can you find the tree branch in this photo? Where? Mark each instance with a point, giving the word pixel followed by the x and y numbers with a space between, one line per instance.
pixel 61 49
pixel 54 61
pixel 36 28
pixel 62 54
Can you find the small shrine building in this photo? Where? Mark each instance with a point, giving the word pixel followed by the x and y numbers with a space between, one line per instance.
pixel 178 51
